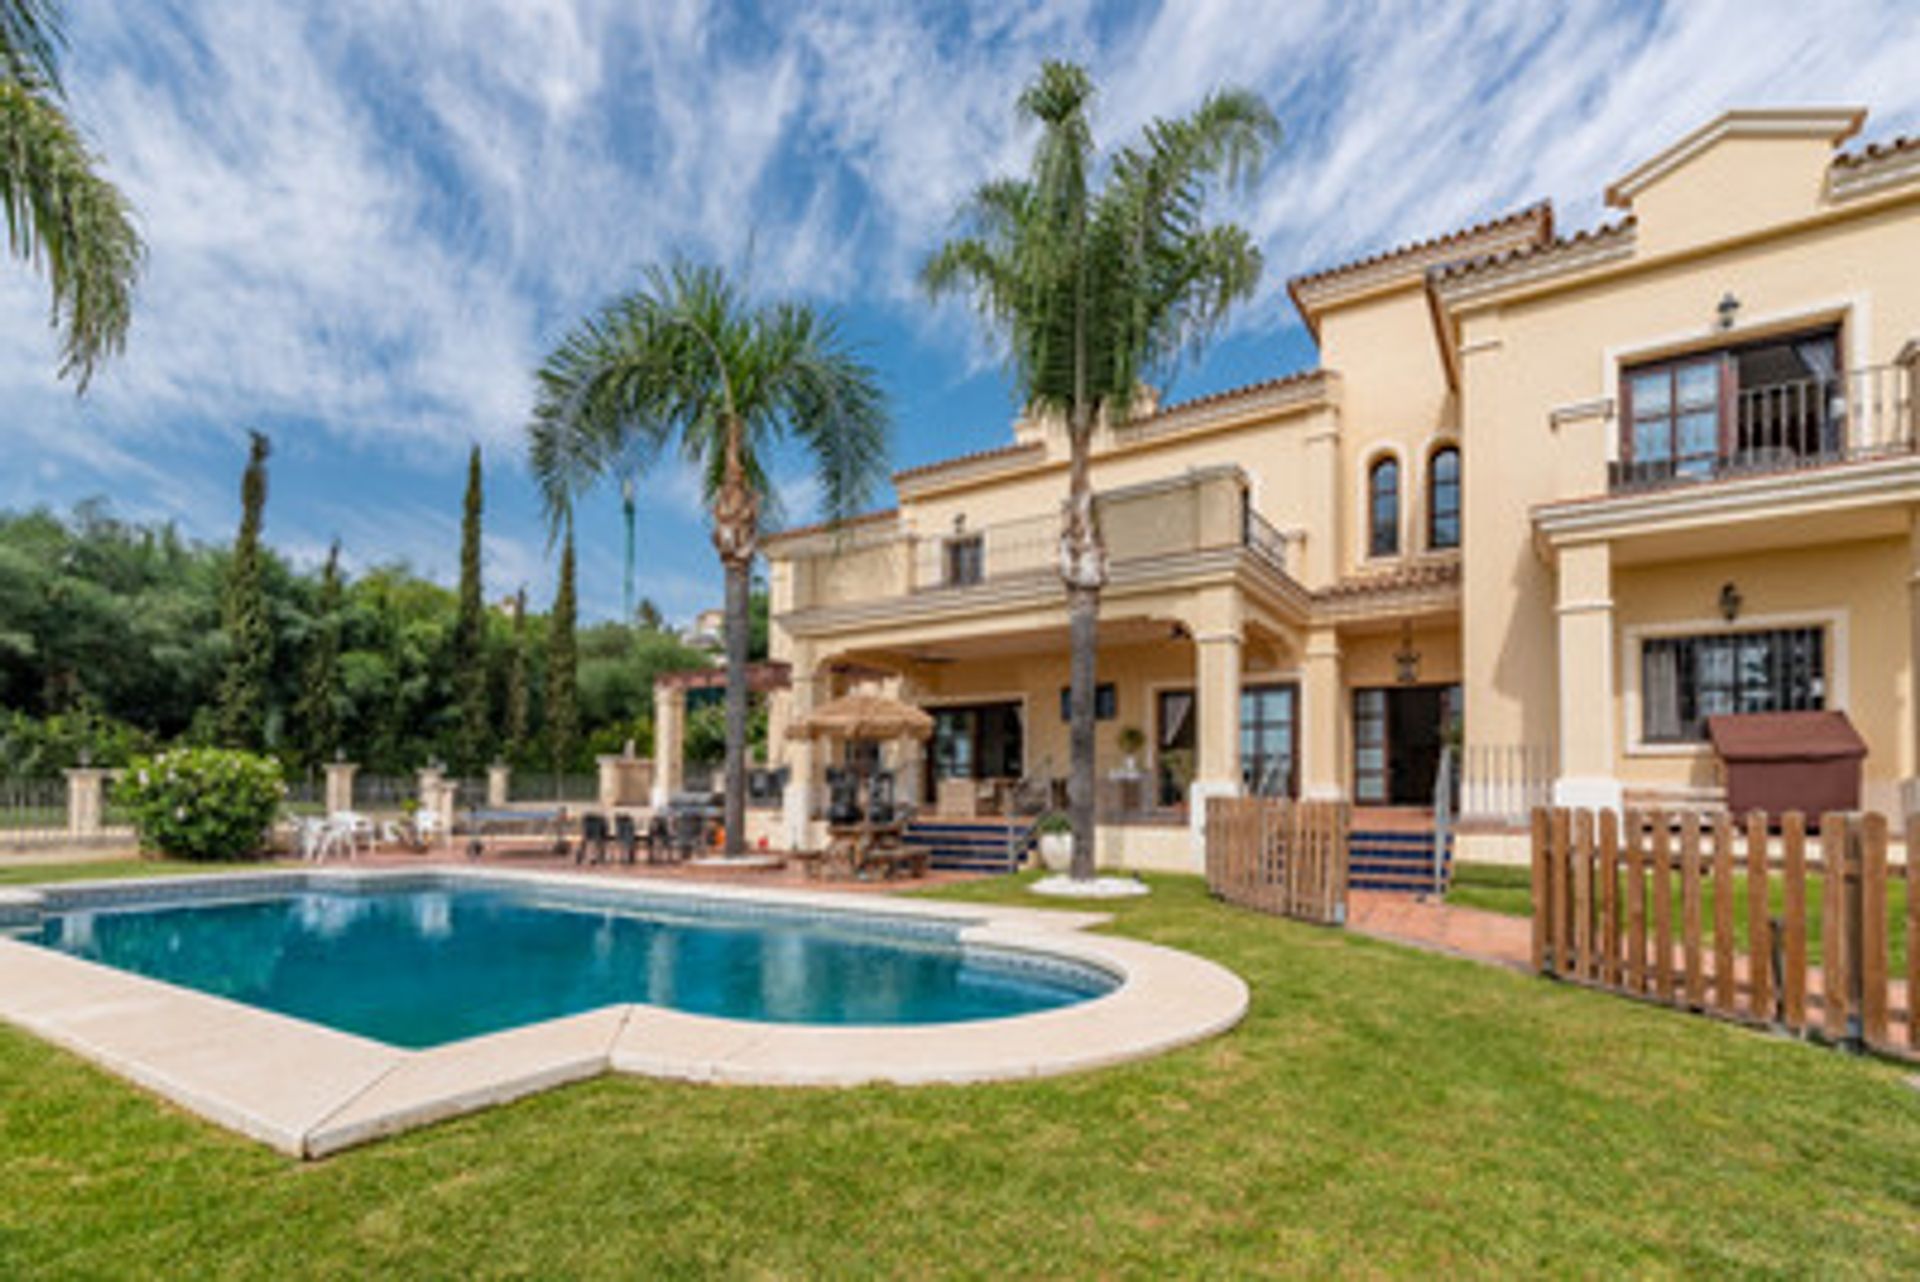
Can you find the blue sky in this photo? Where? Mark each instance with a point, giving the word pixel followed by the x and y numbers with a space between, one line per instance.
pixel 369 219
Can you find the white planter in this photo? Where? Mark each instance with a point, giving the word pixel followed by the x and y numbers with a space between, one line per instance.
pixel 1056 851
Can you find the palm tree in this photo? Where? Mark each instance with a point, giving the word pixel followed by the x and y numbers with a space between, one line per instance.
pixel 61 214
pixel 1094 282
pixel 688 364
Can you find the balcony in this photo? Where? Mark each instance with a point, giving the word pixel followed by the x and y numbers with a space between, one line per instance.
pixel 1763 428
pixel 1161 523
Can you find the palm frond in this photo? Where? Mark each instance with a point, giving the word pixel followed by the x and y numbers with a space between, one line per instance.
pixel 63 217
pixel 30 41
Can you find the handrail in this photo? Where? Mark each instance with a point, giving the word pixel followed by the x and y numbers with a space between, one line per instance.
pixel 1442 817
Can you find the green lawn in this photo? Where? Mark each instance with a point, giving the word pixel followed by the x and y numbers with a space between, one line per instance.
pixel 1503 889
pixel 102 869
pixel 1381 1112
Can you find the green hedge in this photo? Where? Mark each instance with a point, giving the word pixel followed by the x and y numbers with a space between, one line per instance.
pixel 202 803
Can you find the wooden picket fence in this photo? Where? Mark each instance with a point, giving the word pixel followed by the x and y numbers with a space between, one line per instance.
pixel 1279 856
pixel 1651 905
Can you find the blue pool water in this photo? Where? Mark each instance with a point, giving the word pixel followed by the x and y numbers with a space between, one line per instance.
pixel 421 967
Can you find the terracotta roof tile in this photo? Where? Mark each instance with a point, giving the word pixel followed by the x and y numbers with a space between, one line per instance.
pixel 822 527
pixel 1540 212
pixel 1298 377
pixel 1876 151
pixel 978 456
pixel 1505 258
pixel 1429 574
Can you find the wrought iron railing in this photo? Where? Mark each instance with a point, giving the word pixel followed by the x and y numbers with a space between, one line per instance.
pixel 1778 427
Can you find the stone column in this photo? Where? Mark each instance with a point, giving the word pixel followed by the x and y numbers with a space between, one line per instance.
pixel 1588 711
pixel 499 786
pixel 428 779
pixel 339 787
pixel 1322 713
pixel 796 805
pixel 86 801
pixel 441 799
pixel 1217 705
pixel 669 741
pixel 1910 786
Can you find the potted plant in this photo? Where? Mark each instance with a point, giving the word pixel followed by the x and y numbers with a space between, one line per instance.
pixel 1056 841
pixel 1132 740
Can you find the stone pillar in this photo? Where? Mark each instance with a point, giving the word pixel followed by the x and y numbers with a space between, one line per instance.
pixel 796 805
pixel 1322 713
pixel 669 741
pixel 86 801
pixel 1217 705
pixel 613 779
pixel 1910 787
pixel 339 788
pixel 428 779
pixel 1588 711
pixel 499 786
pixel 441 799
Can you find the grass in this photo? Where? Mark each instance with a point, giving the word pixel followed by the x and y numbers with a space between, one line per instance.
pixel 1508 890
pixel 103 869
pixel 1380 1112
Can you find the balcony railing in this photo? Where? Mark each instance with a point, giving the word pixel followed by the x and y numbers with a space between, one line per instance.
pixel 1855 415
pixel 1204 511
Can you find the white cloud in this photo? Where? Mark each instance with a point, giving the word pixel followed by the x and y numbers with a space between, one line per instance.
pixel 369 219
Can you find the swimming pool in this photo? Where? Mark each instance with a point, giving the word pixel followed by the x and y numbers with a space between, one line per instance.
pixel 316 1009
pixel 423 966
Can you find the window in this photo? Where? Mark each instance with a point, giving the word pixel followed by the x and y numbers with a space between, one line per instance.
pixel 1443 499
pixel 1685 680
pixel 1674 425
pixel 1754 407
pixel 1268 740
pixel 966 560
pixel 1176 740
pixel 1370 746
pixel 1106 702
pixel 1383 508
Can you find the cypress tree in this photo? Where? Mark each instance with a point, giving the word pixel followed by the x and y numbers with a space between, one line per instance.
pixel 242 706
pixel 563 696
pixel 319 712
pixel 517 692
pixel 563 693
pixel 469 633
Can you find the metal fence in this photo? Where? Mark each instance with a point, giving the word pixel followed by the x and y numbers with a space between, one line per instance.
pixel 533 785
pixel 32 811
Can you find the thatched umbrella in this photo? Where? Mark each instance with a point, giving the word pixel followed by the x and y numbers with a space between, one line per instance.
pixel 864 717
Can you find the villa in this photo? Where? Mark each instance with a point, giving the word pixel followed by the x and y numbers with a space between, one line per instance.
pixel 1549 500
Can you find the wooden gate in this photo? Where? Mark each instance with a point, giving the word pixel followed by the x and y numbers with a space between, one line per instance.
pixel 1278 856
pixel 1816 935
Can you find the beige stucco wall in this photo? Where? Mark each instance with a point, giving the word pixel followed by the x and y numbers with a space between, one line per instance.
pixel 1856 591
pixel 1561 351
pixel 1395 402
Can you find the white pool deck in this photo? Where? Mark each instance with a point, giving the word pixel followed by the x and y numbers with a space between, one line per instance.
pixel 311 1091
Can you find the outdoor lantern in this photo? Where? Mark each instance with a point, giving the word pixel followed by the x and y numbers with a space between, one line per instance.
pixel 1728 307
pixel 1730 601
pixel 1407 659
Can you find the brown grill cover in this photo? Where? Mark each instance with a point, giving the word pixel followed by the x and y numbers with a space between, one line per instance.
pixel 1781 761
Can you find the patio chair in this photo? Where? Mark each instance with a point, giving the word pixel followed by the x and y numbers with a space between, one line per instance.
pixel 627 837
pixel 593 840
pixel 689 832
pixel 659 840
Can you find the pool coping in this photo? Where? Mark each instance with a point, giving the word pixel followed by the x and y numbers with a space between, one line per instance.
pixel 311 1091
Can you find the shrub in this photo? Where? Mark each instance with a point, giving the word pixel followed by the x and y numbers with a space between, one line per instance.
pixel 202 803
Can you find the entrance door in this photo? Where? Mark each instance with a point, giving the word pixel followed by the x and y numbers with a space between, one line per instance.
pixel 1398 733
pixel 976 741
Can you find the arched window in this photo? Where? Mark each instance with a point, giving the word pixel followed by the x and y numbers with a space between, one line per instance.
pixel 1383 508
pixel 1443 498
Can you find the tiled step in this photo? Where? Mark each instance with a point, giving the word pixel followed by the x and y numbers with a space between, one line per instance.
pixel 1395 861
pixel 972 846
